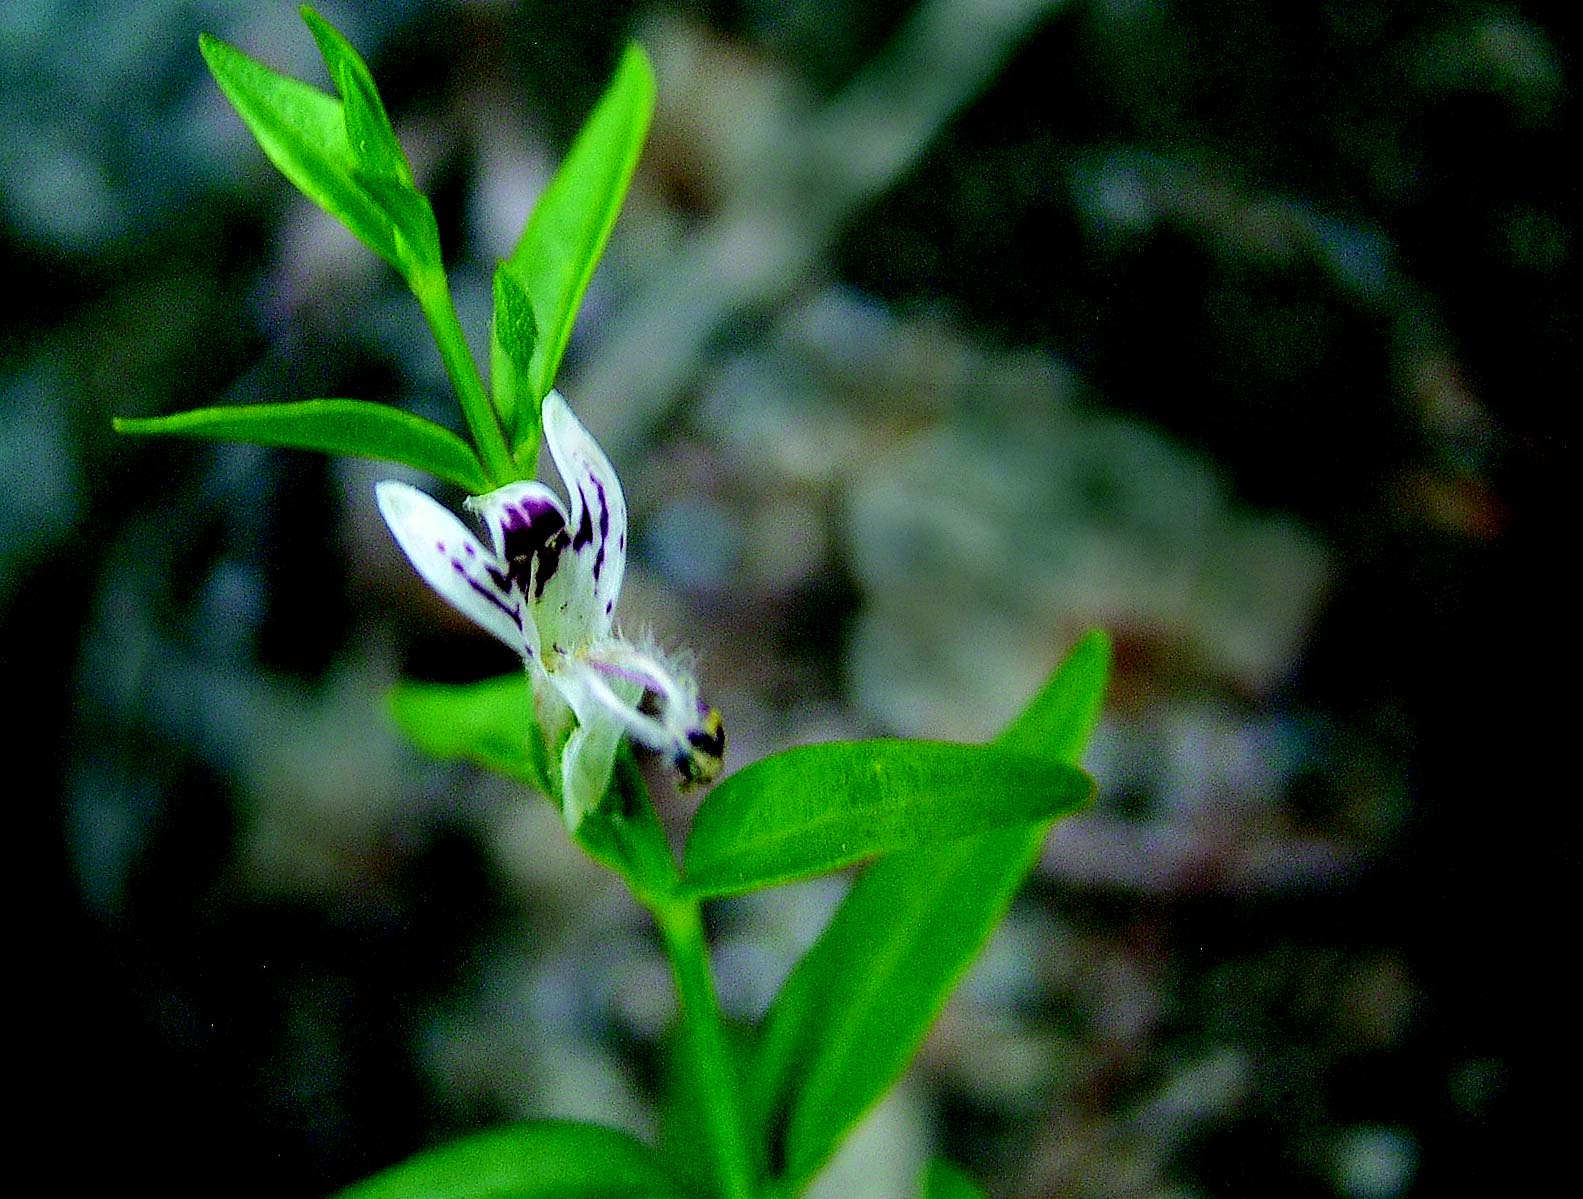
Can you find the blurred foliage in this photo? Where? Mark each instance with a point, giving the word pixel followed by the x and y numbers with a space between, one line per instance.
pixel 928 338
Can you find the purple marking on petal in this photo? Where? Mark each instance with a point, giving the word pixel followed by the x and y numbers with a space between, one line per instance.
pixel 543 564
pixel 604 526
pixel 533 533
pixel 492 596
pixel 609 606
pixel 470 550
pixel 529 526
pixel 604 508
pixel 585 527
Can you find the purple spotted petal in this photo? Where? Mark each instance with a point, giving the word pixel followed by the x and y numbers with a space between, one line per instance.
pixel 597 513
pixel 527 524
pixel 452 561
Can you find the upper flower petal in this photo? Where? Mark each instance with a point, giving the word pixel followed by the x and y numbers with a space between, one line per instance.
pixel 597 520
pixel 472 579
pixel 523 520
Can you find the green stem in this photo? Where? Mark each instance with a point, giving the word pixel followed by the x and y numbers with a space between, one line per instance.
pixel 434 295
pixel 681 927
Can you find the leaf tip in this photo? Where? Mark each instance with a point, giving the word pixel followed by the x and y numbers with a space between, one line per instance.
pixel 636 58
pixel 212 49
pixel 1096 643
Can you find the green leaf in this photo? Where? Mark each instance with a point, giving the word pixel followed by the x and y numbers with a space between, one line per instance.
pixel 818 808
pixel 942 1180
pixel 369 134
pixel 304 132
pixel 414 233
pixel 354 427
pixel 513 335
pixel 490 723
pixel 564 238
pixel 546 1160
pixel 857 1006
pixel 1061 718
pixel 624 833
pixel 685 1137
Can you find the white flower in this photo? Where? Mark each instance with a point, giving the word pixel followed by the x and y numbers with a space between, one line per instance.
pixel 548 589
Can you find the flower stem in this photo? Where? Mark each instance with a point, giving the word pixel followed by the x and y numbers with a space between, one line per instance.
pixel 434 295
pixel 681 928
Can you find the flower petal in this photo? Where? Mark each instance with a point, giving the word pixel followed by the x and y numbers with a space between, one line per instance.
pixel 599 697
pixel 523 519
pixel 653 700
pixel 452 561
pixel 586 767
pixel 597 520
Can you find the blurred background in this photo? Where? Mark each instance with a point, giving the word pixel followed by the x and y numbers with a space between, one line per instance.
pixel 932 334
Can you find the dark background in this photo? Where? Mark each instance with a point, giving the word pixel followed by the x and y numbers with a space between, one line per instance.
pixel 1238 328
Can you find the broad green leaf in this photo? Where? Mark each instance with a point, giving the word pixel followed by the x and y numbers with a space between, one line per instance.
pixel 818 808
pixel 547 1160
pixel 369 134
pixel 564 238
pixel 490 723
pixel 856 1007
pixel 304 132
pixel 513 335
pixel 942 1180
pixel 354 427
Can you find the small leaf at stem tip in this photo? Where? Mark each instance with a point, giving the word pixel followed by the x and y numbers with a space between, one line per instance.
pixel 369 134
pixel 342 154
pixel 514 334
pixel 356 428
pixel 303 132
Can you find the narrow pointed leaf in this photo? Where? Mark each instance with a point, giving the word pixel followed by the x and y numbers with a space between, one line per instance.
pixel 490 724
pixel 857 1006
pixel 343 155
pixel 1059 721
pixel 818 808
pixel 369 134
pixel 942 1180
pixel 544 1160
pixel 565 237
pixel 353 427
pixel 303 132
